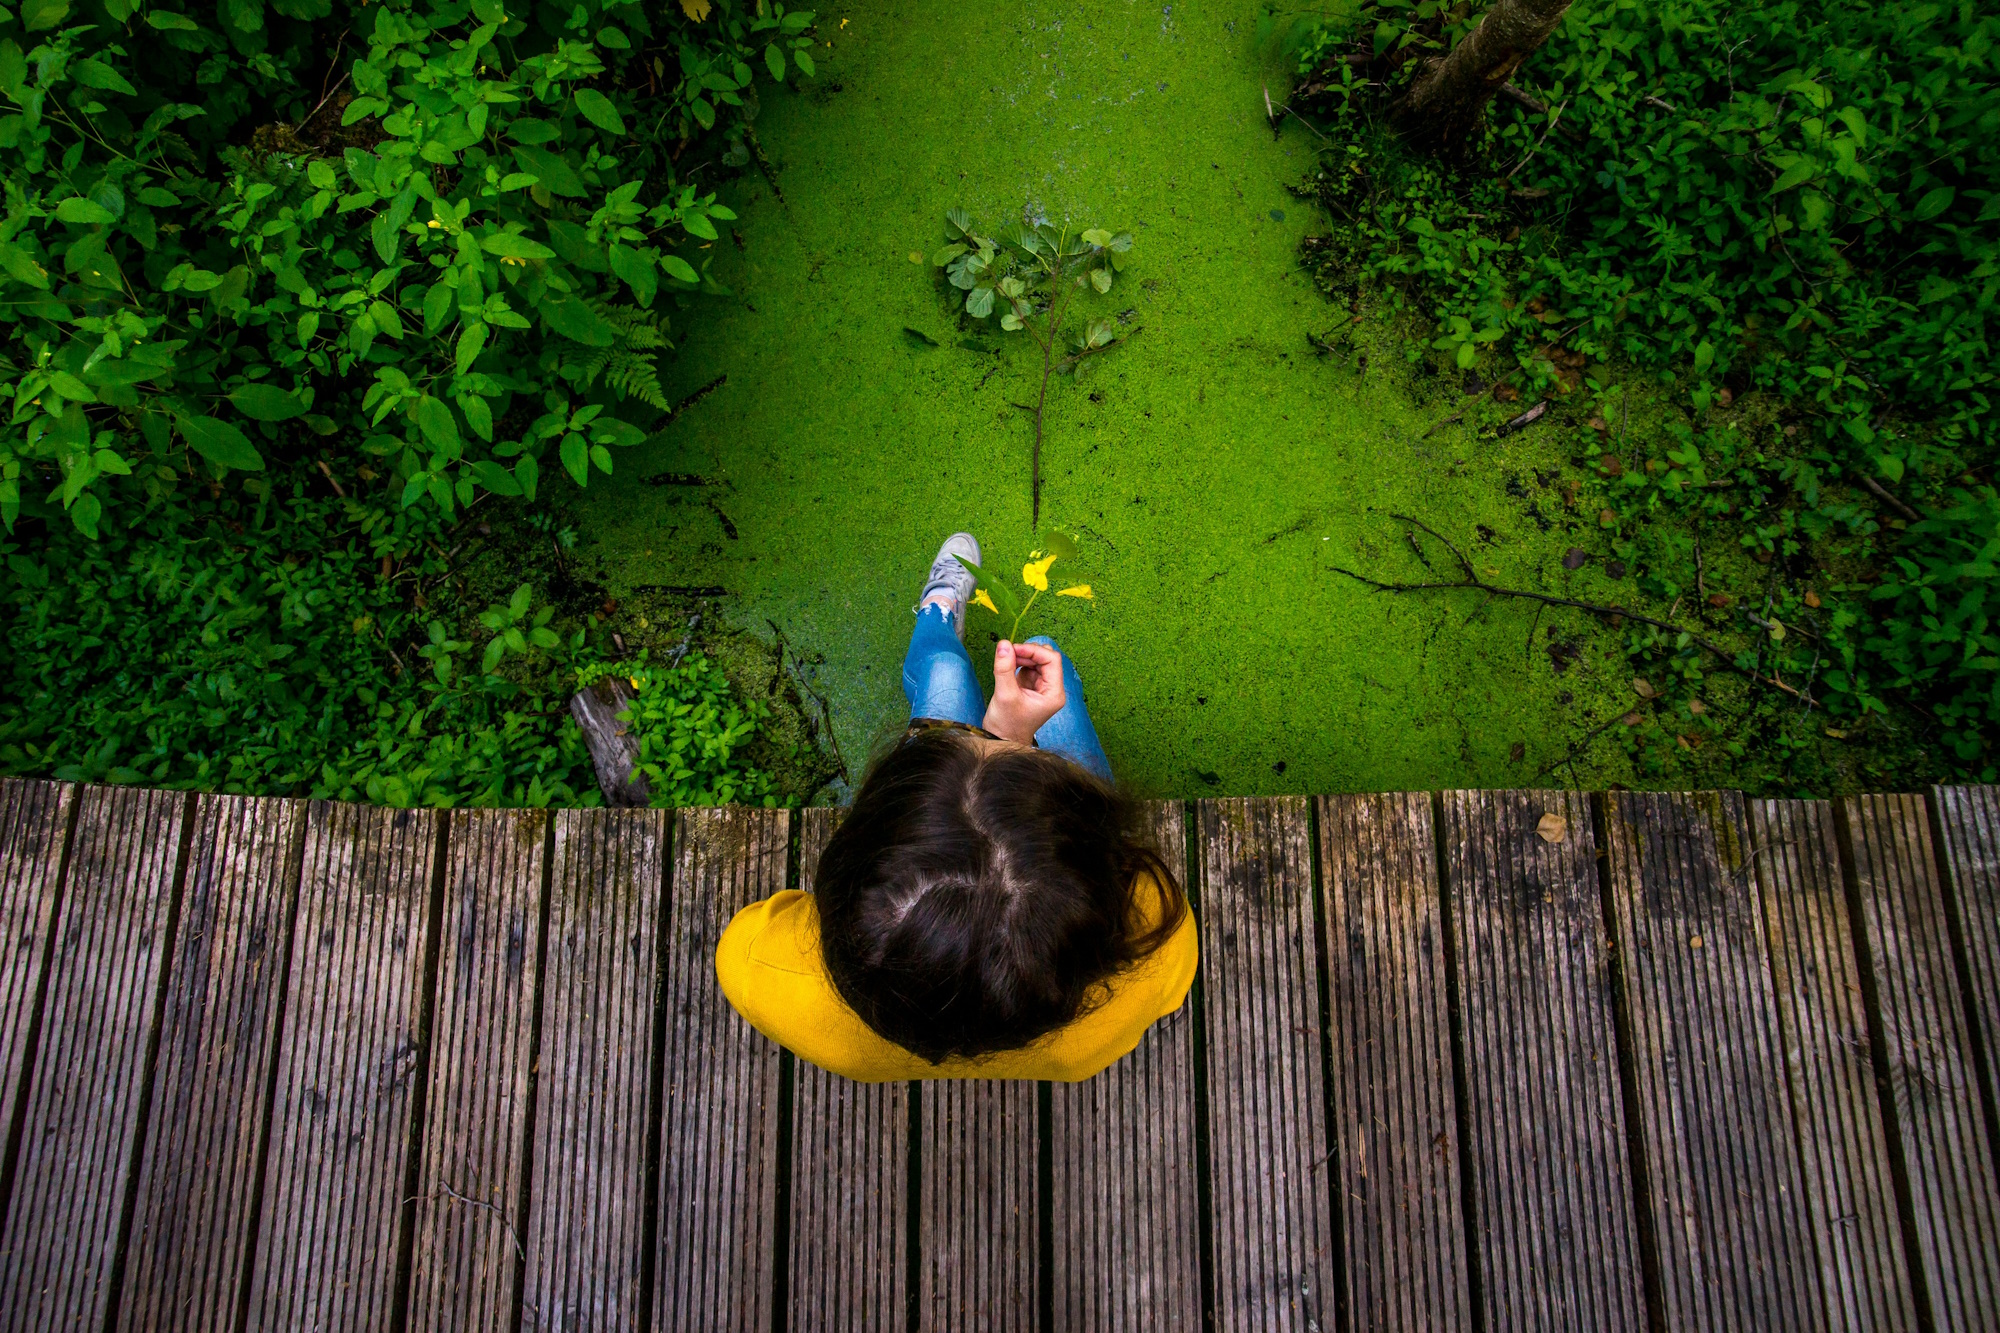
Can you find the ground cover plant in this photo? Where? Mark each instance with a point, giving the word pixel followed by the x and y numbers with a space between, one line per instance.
pixel 288 290
pixel 1773 231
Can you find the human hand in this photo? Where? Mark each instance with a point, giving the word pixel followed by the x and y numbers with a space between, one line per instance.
pixel 1027 690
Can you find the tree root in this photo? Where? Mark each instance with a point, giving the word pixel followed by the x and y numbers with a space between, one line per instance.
pixel 1472 582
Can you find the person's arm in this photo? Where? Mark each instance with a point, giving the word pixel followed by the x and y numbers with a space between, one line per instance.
pixel 1027 690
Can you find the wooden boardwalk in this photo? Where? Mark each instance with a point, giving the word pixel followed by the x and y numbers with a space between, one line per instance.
pixel 1472 1061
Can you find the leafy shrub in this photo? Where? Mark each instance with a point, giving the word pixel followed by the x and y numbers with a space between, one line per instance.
pixel 428 247
pixel 459 266
pixel 689 726
pixel 1796 197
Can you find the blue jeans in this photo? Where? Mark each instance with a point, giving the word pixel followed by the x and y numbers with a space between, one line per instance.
pixel 939 680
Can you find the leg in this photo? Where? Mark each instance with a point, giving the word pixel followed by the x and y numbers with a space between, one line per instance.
pixel 1069 733
pixel 938 675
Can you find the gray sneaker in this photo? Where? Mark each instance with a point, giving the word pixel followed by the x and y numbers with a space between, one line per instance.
pixel 951 578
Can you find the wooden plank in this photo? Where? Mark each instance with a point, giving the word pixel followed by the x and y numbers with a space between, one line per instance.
pixel 1395 1120
pixel 1728 1201
pixel 979 1235
pixel 849 1262
pixel 1556 1233
pixel 1127 1250
pixel 1843 1146
pixel 199 1169
pixel 1272 1249
pixel 587 1204
pixel 331 1225
pixel 467 1241
pixel 719 1106
pixel 85 1092
pixel 34 826
pixel 1947 1153
pixel 1968 824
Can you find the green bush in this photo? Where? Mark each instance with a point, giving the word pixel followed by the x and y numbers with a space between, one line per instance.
pixel 252 252
pixel 1796 197
pixel 461 273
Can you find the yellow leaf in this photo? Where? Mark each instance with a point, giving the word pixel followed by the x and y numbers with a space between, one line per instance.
pixel 1036 573
pixel 981 598
pixel 1080 590
pixel 1552 827
pixel 695 9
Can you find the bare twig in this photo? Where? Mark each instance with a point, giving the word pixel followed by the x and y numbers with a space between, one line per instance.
pixel 1472 582
pixel 1526 419
pixel 1876 489
pixel 334 481
pixel 1555 118
pixel 447 1192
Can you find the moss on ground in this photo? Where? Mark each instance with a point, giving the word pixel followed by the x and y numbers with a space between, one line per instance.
pixel 1215 467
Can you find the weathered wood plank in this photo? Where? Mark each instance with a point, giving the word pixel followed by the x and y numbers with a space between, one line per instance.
pixel 1127 1248
pixel 1968 820
pixel 218 1038
pixel 1395 1121
pixel 467 1238
pixel 1556 1232
pixel 587 1203
pixel 34 826
pixel 1728 1200
pixel 332 1220
pixel 1843 1148
pixel 719 1107
pixel 1272 1249
pixel 1947 1154
pixel 85 1092
pixel 979 1223
pixel 850 1170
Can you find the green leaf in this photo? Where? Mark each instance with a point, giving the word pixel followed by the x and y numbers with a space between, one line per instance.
pixel 440 431
pixel 575 320
pixel 979 302
pixel 1798 174
pixel 72 388
pixel 220 443
pixel 438 303
pixel 512 245
pixel 1060 544
pixel 526 473
pixel 87 212
pixel 637 271
pixel 39 15
pixel 576 458
pixel 168 21
pixel 1100 278
pixel 85 513
pixel 97 74
pixel 774 60
pixel 471 341
pixel 553 172
pixel 478 415
pixel 266 402
pixel 597 109
pixel 698 225
pixel 805 62
pixel 1934 203
pixel 680 269
pixel 496 478
pixel 21 266
pixel 1003 595
pixel 1704 356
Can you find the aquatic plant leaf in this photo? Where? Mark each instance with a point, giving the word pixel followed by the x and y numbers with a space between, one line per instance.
pixel 1060 544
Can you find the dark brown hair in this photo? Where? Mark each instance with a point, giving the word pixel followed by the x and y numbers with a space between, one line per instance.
pixel 973 903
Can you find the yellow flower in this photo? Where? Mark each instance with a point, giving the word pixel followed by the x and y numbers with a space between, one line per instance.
pixel 1036 572
pixel 695 9
pixel 1080 590
pixel 635 682
pixel 981 598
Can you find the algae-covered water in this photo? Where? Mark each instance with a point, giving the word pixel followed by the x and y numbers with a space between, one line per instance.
pixel 1214 467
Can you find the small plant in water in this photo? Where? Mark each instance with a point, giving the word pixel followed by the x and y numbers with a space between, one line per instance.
pixel 996 596
pixel 1030 274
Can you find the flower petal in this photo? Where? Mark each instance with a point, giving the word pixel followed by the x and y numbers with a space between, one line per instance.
pixel 1080 590
pixel 1036 573
pixel 981 598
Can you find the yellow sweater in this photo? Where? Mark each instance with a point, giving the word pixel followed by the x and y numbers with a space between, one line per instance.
pixel 770 968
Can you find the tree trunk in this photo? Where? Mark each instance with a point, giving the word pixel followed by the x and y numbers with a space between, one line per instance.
pixel 1450 94
pixel 613 752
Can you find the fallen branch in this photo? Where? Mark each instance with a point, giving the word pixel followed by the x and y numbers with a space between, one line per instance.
pixel 1472 582
pixel 1522 422
pixel 1876 489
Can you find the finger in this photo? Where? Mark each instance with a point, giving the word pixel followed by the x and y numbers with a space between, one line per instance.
pixel 1039 653
pixel 1006 685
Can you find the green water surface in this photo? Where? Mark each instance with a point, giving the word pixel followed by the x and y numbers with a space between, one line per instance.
pixel 1214 467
